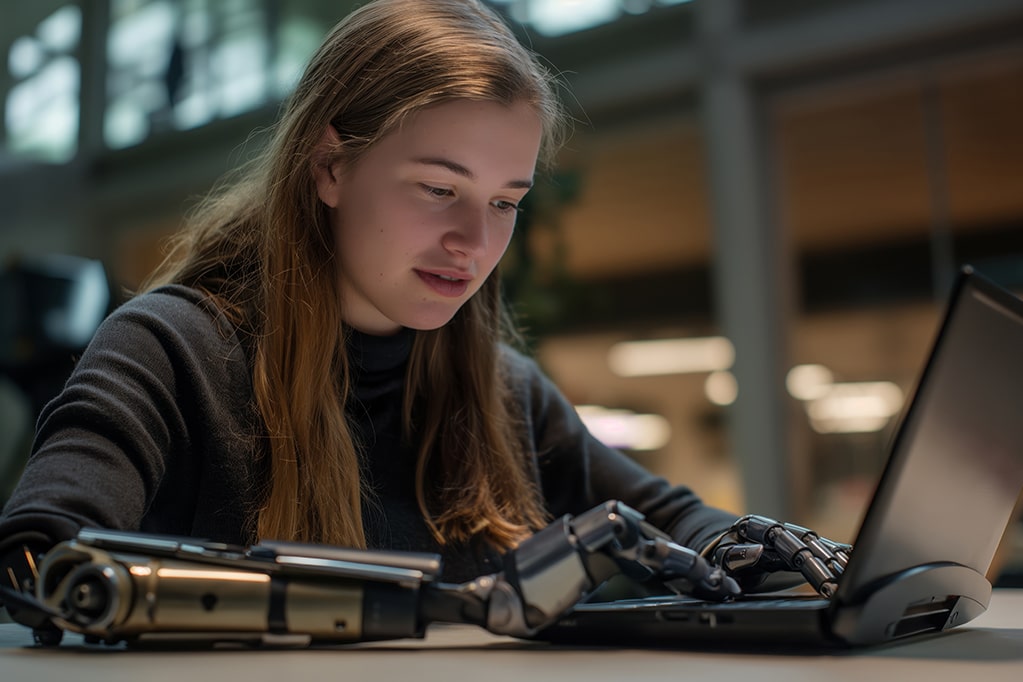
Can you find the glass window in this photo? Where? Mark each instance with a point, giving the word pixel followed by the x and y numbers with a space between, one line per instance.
pixel 41 108
pixel 180 65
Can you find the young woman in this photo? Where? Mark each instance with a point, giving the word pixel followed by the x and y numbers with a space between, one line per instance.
pixel 324 356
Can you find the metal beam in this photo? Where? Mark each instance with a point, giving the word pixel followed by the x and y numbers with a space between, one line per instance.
pixel 752 274
pixel 843 34
pixel 855 30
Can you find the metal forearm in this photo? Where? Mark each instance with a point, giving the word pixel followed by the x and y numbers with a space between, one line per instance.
pixel 113 587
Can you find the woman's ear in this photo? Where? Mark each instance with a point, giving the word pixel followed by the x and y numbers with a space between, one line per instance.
pixel 327 167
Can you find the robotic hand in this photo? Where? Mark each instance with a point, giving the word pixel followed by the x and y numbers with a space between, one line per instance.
pixel 756 546
pixel 115 586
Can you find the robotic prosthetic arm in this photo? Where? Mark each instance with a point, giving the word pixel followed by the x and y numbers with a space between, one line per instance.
pixel 144 589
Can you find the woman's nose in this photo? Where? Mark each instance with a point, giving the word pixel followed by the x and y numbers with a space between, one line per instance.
pixel 468 233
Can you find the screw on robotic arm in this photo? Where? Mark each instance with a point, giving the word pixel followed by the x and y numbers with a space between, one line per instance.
pixel 756 545
pixel 560 565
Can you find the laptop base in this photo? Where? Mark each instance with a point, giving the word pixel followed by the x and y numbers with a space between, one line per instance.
pixel 904 605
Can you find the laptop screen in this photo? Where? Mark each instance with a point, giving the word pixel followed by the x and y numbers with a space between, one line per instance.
pixel 956 467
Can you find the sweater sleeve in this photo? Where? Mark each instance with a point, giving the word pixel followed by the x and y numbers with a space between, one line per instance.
pixel 577 472
pixel 120 442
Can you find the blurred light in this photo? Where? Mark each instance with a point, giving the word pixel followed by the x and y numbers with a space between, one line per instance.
pixel 40 110
pixel 141 40
pixel 124 124
pixel 855 407
pixel 807 382
pixel 41 113
pixel 88 298
pixel 211 574
pixel 721 388
pixel 61 30
pixel 671 356
pixel 625 429
pixel 636 6
pixel 298 37
pixel 558 17
pixel 242 83
pixel 25 57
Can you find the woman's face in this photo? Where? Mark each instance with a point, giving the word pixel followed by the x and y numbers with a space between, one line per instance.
pixel 423 217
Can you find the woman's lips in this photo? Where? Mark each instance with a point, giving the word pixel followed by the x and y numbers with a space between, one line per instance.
pixel 450 286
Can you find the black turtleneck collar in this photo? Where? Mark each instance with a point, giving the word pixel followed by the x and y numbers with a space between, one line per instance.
pixel 379 354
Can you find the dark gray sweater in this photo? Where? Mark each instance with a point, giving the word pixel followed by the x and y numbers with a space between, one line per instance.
pixel 153 433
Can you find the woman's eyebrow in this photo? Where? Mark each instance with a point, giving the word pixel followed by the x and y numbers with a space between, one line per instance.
pixel 459 169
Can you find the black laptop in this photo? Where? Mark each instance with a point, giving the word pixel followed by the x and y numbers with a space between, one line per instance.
pixel 928 538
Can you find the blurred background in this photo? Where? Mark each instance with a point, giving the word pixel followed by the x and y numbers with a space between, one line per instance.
pixel 735 270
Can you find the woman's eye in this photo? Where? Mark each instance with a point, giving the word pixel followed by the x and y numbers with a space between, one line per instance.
pixel 506 206
pixel 437 191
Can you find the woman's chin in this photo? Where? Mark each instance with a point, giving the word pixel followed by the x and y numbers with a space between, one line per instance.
pixel 429 319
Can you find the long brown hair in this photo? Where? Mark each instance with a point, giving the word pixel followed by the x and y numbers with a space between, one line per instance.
pixel 262 248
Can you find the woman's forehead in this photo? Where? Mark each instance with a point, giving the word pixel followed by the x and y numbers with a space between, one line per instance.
pixel 468 138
